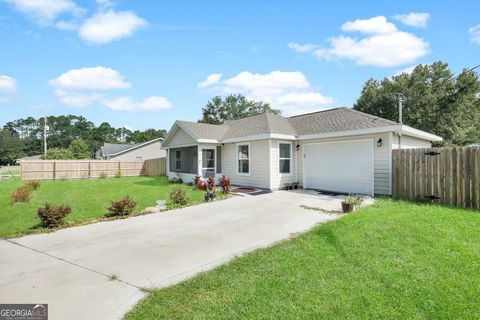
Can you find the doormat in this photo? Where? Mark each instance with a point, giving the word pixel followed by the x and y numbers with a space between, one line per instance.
pixel 244 190
pixel 333 194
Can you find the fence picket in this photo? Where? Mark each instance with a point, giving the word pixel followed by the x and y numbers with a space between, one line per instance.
pixel 452 174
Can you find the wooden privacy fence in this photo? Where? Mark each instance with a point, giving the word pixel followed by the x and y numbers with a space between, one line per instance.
pixel 155 167
pixel 87 169
pixel 448 175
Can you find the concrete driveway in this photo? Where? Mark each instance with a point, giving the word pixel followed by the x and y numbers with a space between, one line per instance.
pixel 71 269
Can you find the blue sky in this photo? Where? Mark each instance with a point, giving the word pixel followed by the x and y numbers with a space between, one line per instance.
pixel 144 64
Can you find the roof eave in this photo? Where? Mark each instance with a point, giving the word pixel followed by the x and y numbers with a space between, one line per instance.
pixel 403 129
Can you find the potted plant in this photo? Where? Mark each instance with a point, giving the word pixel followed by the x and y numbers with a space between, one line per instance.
pixel 351 203
pixel 295 185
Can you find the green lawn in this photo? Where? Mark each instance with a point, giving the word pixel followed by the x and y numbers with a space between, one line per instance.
pixel 87 198
pixel 395 260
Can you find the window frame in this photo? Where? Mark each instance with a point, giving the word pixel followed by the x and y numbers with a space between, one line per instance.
pixel 289 173
pixel 178 160
pixel 238 145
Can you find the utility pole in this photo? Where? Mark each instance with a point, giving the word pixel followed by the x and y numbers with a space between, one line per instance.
pixel 400 108
pixel 45 137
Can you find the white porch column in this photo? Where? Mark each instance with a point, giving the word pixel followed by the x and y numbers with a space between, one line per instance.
pixel 199 158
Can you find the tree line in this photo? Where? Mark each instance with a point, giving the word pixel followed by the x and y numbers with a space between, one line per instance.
pixel 68 137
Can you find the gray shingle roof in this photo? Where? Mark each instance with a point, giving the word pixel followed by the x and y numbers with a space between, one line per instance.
pixel 203 130
pixel 332 120
pixel 335 120
pixel 112 148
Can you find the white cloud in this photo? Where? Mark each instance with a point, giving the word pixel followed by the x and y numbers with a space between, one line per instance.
pixel 301 47
pixel 289 91
pixel 7 84
pixel 413 19
pixel 87 86
pixel 95 78
pixel 211 80
pixel 128 104
pixel 375 25
pixel 108 26
pixel 385 47
pixel 475 34
pixel 45 11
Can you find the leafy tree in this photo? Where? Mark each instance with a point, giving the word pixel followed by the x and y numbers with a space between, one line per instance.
pixel 11 147
pixel 58 154
pixel 233 107
pixel 138 136
pixel 435 101
pixel 80 149
pixel 63 130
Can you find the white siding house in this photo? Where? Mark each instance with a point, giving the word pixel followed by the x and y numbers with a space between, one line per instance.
pixel 338 150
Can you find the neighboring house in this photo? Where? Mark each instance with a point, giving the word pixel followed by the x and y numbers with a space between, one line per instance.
pixel 148 150
pixel 337 150
pixel 30 158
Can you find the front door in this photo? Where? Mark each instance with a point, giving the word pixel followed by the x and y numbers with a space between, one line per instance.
pixel 208 163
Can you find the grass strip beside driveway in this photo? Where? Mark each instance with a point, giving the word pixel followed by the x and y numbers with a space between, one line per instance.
pixel 394 260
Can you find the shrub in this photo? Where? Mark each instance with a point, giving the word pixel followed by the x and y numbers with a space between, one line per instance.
pixel 119 174
pixel 33 185
pixel 351 199
pixel 178 196
pixel 196 180
pixel 122 207
pixel 225 184
pixel 52 216
pixel 211 183
pixel 22 194
pixel 103 175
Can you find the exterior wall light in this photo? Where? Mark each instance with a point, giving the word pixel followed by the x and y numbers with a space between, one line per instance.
pixel 379 142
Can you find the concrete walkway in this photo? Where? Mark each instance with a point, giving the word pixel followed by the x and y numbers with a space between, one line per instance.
pixel 73 269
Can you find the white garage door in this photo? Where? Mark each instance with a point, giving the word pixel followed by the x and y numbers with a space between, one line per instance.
pixel 339 166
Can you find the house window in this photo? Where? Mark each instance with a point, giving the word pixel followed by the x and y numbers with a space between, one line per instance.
pixel 178 160
pixel 243 158
pixel 285 157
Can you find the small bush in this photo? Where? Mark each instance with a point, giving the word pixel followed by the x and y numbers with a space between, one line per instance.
pixel 33 185
pixel 119 174
pixel 178 196
pixel 211 183
pixel 22 194
pixel 103 175
pixel 53 216
pixel 122 207
pixel 225 184
pixel 196 180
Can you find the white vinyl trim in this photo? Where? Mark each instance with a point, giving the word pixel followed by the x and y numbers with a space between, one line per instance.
pixel 390 149
pixel 279 158
pixel 249 159
pixel 395 128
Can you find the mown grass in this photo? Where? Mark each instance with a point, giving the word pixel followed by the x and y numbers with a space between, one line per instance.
pixel 87 198
pixel 394 260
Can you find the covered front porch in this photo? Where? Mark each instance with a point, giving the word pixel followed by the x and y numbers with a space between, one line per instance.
pixel 187 162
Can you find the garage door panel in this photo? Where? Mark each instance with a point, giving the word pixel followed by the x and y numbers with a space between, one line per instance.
pixel 340 166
